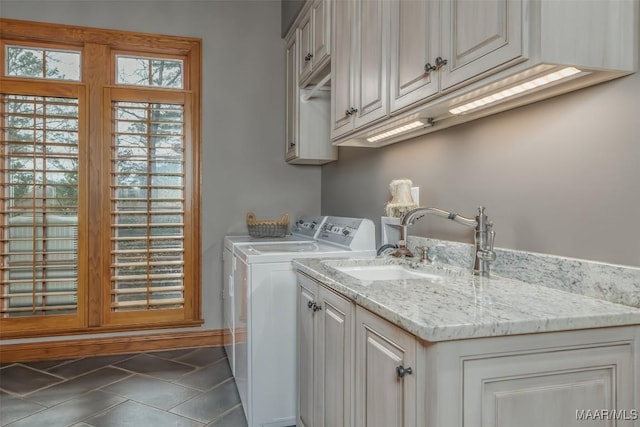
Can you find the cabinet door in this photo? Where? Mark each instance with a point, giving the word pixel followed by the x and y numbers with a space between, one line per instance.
pixel 341 85
pixel 479 37
pixel 371 75
pixel 334 352
pixel 548 388
pixel 306 359
pixel 414 43
pixel 321 18
pixel 292 98
pixel 382 397
pixel 306 47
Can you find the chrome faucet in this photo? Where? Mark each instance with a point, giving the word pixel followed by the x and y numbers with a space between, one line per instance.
pixel 484 235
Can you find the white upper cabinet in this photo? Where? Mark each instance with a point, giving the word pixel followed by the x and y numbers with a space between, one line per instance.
pixel 307 110
pixel 414 43
pixel 370 77
pixel 321 18
pixel 478 37
pixel 402 68
pixel 291 98
pixel 406 51
pixel 341 82
pixel 359 67
pixel 315 40
pixel 306 39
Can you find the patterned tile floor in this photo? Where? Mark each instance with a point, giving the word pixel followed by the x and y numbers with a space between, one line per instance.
pixel 192 387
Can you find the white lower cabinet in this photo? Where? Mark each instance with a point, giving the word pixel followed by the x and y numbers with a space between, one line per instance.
pixel 357 369
pixel 325 356
pixel 549 379
pixel 515 388
pixel 385 393
pixel 354 368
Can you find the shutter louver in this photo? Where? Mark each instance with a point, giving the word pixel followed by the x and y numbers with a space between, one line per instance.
pixel 147 206
pixel 39 210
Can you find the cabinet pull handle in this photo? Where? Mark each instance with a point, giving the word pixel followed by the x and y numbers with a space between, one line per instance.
pixel 316 307
pixel 292 144
pixel 351 111
pixel 402 371
pixel 440 62
pixel 308 57
pixel 429 68
pixel 310 304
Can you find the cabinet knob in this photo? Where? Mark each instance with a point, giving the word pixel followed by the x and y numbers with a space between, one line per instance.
pixel 347 113
pixel 316 307
pixel 292 144
pixel 440 62
pixel 308 57
pixel 402 371
pixel 429 68
pixel 310 304
pixel 351 111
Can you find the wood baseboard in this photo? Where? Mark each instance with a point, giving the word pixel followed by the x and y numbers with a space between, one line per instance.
pixel 52 350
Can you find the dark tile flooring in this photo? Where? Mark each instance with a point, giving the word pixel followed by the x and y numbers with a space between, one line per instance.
pixel 192 387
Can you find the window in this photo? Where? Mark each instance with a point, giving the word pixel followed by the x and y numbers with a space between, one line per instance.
pixel 42 63
pixel 135 70
pixel 99 219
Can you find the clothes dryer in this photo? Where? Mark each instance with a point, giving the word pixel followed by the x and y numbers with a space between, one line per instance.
pixel 265 314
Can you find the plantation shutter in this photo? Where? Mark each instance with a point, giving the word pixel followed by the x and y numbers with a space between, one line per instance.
pixel 148 203
pixel 41 146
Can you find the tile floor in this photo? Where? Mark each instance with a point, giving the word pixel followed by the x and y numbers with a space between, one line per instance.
pixel 192 387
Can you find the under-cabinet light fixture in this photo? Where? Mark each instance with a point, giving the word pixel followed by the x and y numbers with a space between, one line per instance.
pixel 516 90
pixel 401 129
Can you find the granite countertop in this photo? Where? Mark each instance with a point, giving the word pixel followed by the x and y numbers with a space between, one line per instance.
pixel 460 306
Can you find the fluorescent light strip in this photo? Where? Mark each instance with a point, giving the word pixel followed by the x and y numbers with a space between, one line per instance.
pixel 512 91
pixel 401 129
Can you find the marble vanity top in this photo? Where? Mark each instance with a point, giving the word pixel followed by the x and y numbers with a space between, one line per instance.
pixel 462 306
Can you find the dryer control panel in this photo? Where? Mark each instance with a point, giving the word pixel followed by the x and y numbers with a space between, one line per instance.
pixel 351 233
pixel 308 226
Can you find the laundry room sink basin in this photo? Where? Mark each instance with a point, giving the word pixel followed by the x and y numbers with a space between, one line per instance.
pixel 388 272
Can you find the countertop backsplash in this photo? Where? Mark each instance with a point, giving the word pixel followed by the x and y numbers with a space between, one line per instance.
pixel 614 283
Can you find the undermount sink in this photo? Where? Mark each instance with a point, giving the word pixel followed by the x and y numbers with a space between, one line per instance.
pixel 369 273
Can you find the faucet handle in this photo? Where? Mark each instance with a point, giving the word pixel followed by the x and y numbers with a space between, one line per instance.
pixel 486 253
pixel 492 235
pixel 424 254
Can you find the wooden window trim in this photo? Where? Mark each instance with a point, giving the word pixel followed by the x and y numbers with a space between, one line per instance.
pixel 36 324
pixel 46 32
pixel 98 47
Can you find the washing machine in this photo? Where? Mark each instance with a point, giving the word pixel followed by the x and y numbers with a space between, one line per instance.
pixel 305 229
pixel 265 313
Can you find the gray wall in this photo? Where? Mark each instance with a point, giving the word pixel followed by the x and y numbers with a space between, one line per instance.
pixel 242 110
pixel 290 10
pixel 561 176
